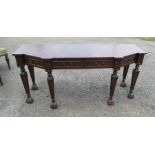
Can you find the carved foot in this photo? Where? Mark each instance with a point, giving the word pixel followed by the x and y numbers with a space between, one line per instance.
pixel 130 95
pixel 34 87
pixel 123 84
pixel 54 106
pixel 110 102
pixel 29 100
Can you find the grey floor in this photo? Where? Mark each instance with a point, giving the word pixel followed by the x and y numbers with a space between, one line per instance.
pixel 78 92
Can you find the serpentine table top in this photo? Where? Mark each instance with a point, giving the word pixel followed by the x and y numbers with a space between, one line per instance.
pixel 78 56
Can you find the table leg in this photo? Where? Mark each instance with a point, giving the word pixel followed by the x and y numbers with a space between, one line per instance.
pixel 24 78
pixel 50 80
pixel 31 71
pixel 1 81
pixel 7 60
pixel 125 71
pixel 135 74
pixel 114 78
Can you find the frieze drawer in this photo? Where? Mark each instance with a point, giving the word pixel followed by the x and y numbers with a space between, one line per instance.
pixel 82 64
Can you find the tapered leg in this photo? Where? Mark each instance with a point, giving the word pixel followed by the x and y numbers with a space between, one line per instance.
pixel 7 60
pixel 1 81
pixel 125 71
pixel 114 78
pixel 24 78
pixel 133 81
pixel 31 71
pixel 50 80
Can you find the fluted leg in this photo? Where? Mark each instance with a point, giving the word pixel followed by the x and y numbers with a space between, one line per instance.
pixel 133 81
pixel 114 78
pixel 125 71
pixel 50 80
pixel 31 71
pixel 24 78
pixel 7 60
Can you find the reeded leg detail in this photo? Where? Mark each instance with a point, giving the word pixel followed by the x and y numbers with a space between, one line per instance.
pixel 133 81
pixel 125 71
pixel 114 78
pixel 50 80
pixel 1 81
pixel 24 78
pixel 31 71
pixel 7 60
